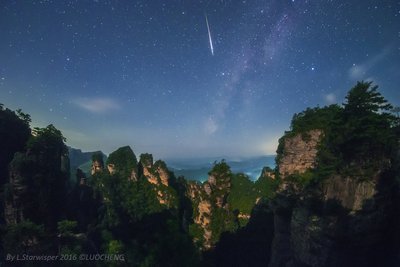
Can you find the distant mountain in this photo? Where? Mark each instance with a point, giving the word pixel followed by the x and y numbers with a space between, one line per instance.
pixel 197 169
pixel 333 199
pixel 82 160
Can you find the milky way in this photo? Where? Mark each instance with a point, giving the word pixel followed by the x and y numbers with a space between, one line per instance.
pixel 111 73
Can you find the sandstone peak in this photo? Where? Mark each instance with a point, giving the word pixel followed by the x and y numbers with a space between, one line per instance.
pixel 299 153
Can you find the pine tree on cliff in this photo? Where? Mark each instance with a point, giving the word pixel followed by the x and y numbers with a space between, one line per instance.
pixel 367 133
pixel 364 99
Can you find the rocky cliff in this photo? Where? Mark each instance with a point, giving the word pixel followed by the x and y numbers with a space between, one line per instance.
pixel 211 212
pixel 80 159
pixel 15 191
pixel 123 163
pixel 338 200
pixel 159 176
pixel 299 153
pixel 37 178
pixel 341 220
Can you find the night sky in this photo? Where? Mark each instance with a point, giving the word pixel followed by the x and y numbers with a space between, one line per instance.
pixel 142 73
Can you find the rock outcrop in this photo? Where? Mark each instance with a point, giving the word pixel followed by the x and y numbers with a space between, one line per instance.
pixel 97 166
pixel 36 188
pixel 78 158
pixel 300 153
pixel 156 173
pixel 15 191
pixel 268 172
pixel 339 221
pixel 159 176
pixel 209 199
pixel 352 194
pixel 123 161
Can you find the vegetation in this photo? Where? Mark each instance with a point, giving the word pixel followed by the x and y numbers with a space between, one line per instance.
pixel 98 157
pixel 359 138
pixel 40 178
pixel 222 217
pixel 222 221
pixel 249 245
pixel 314 118
pixel 245 193
pixel 124 160
pixel 266 185
pixel 132 219
pixel 302 180
pixel 25 237
pixel 151 223
pixel 14 133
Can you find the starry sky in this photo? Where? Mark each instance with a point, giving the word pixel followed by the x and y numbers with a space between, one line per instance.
pixel 142 73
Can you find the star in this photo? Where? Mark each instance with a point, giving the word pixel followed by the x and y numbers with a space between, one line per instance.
pixel 122 65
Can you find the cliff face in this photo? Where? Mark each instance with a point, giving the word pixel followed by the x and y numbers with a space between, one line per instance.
pixel 202 210
pixel 15 192
pixel 210 201
pixel 36 188
pixel 14 133
pixel 123 163
pixel 343 220
pixel 350 193
pixel 299 153
pixel 158 175
pixel 77 158
pixel 97 166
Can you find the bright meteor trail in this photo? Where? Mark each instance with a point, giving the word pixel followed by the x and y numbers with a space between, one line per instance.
pixel 209 36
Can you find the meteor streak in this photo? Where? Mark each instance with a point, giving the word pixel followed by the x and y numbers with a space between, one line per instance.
pixel 209 36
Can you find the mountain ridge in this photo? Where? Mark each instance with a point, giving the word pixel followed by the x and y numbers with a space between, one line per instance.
pixel 332 199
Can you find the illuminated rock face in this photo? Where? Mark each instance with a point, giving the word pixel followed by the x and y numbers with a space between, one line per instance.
pixel 97 167
pixel 209 198
pixel 164 175
pixel 111 168
pixel 159 176
pixel 299 153
pixel 124 163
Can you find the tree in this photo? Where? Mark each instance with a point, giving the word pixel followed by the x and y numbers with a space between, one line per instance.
pixel 364 99
pixel 25 237
pixel 26 118
pixel 40 178
pixel 397 111
pixel 124 161
pixel 98 156
pixel 366 133
pixel 14 133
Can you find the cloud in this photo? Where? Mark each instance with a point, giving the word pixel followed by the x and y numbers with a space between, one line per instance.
pixel 359 71
pixel 210 126
pixel 97 105
pixel 330 98
pixel 356 72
